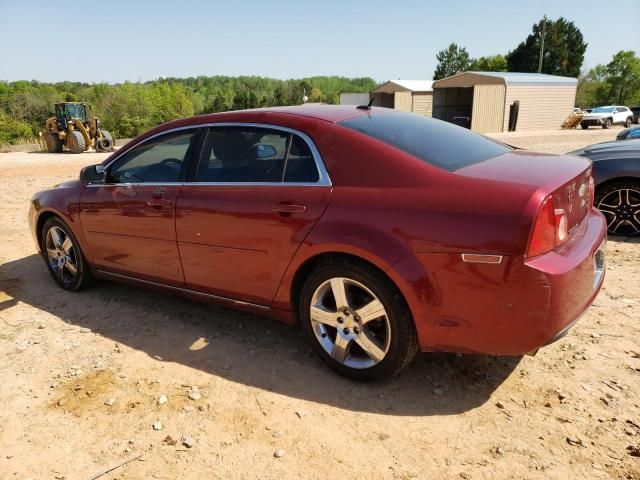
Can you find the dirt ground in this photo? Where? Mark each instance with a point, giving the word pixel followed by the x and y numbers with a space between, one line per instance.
pixel 81 376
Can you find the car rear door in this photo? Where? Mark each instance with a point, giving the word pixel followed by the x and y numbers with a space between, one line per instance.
pixel 258 191
pixel 129 221
pixel 620 115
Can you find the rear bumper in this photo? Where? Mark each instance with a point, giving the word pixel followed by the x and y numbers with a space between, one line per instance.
pixel 517 306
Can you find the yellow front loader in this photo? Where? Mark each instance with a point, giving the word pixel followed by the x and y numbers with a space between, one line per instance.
pixel 74 129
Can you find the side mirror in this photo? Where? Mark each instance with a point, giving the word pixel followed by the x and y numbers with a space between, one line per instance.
pixel 93 174
pixel 264 151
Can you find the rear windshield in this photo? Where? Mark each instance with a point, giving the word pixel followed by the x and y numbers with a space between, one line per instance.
pixel 433 141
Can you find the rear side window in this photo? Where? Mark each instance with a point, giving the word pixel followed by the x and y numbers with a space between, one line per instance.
pixel 255 155
pixel 301 167
pixel 438 143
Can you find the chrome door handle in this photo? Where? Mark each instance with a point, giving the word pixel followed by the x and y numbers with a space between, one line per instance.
pixel 288 208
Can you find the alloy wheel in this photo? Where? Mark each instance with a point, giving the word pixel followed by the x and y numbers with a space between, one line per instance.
pixel 61 254
pixel 622 211
pixel 350 323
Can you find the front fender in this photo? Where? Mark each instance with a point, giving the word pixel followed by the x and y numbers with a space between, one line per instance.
pixel 606 170
pixel 62 201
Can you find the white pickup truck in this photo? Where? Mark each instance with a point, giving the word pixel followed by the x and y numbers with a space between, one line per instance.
pixel 606 116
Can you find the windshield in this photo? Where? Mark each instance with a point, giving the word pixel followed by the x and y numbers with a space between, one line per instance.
pixel 439 143
pixel 602 110
pixel 75 111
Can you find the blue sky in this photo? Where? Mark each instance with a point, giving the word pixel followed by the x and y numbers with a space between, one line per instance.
pixel 142 40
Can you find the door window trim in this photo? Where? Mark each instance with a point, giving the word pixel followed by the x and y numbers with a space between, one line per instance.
pixel 191 152
pixel 323 175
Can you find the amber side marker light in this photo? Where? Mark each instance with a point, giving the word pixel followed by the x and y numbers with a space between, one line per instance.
pixel 476 258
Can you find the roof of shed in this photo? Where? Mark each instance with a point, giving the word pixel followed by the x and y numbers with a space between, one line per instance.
pixel 513 78
pixel 404 86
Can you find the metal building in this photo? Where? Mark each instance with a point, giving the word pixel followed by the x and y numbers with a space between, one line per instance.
pixel 405 95
pixel 354 98
pixel 504 101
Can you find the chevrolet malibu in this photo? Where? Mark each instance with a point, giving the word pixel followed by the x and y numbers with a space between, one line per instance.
pixel 378 233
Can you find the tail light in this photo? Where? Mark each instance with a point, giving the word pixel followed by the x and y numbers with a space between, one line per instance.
pixel 550 229
pixel 592 190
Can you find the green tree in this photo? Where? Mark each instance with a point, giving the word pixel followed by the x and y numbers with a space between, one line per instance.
pixel 564 49
pixel 451 60
pixel 623 76
pixel 618 82
pixel 493 63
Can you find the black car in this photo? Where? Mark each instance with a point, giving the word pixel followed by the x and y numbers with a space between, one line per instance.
pixel 636 114
pixel 616 171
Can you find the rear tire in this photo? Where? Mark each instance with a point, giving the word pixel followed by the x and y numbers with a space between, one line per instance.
pixel 607 124
pixel 53 142
pixel 376 344
pixel 64 258
pixel 105 144
pixel 620 203
pixel 627 123
pixel 76 142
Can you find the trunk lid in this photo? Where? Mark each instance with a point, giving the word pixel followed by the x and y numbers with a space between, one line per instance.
pixel 538 175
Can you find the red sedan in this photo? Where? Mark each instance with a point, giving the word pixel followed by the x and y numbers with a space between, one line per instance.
pixel 379 233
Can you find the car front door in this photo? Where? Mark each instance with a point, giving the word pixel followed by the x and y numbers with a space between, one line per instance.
pixel 258 191
pixel 129 221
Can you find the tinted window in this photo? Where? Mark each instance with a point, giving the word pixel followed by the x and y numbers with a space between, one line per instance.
pixel 301 166
pixel 243 154
pixel 436 142
pixel 158 160
pixel 255 155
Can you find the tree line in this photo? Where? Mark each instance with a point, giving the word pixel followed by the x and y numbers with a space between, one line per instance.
pixel 128 109
pixel 564 49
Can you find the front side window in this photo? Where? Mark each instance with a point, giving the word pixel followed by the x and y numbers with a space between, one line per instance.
pixel 255 155
pixel 159 160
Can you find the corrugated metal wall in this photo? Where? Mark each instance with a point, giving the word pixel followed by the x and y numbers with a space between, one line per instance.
pixel 423 103
pixel 542 107
pixel 354 98
pixel 488 108
pixel 402 101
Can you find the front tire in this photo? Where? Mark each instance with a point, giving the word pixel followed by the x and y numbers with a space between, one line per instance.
pixel 607 124
pixel 357 321
pixel 620 204
pixel 76 142
pixel 64 258
pixel 584 126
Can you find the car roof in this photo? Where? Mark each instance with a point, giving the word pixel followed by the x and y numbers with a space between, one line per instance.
pixel 327 113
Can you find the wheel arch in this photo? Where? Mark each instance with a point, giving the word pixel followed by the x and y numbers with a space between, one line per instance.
pixel 611 181
pixel 42 219
pixel 305 269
